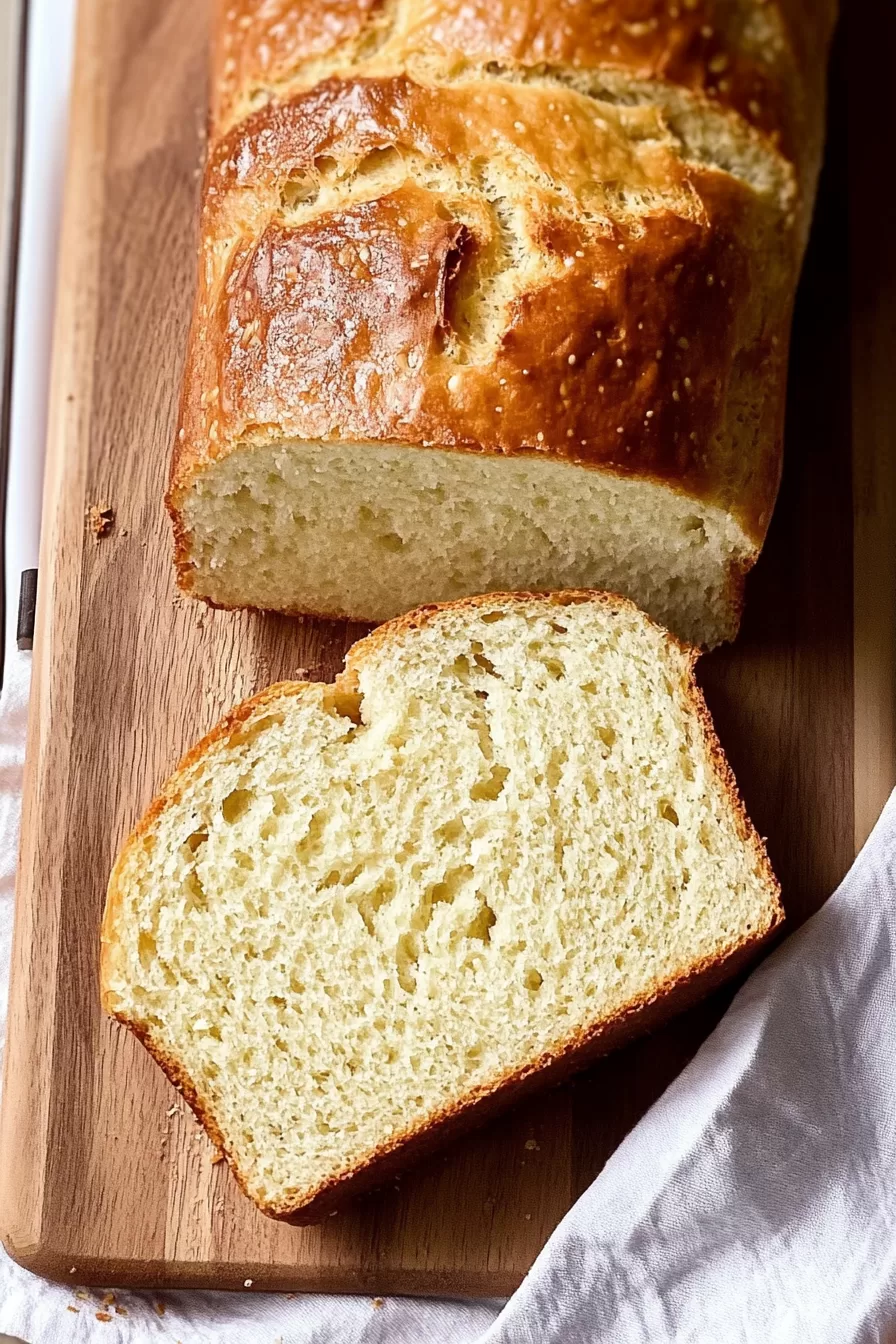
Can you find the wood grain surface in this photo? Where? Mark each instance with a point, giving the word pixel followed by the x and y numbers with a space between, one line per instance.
pixel 104 1174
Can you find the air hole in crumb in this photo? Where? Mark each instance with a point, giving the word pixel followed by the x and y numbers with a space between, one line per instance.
pixel 343 703
pixel 454 880
pixel 146 949
pixel 555 767
pixel 490 788
pixel 480 659
pixel 236 804
pixel 391 541
pixel 555 668
pixel 533 979
pixel 590 688
pixel 194 841
pixel 314 834
pixel 377 161
pixel 558 628
pixel 451 831
pixel 195 892
pixel 407 953
pixel 482 923
pixel 695 524
pixel 298 191
pixel 483 733
pixel 490 616
pixel 607 736
pixel 371 902
pixel 668 813
pixel 486 664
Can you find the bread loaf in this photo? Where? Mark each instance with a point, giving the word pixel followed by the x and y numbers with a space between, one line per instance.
pixel 495 294
pixel 360 917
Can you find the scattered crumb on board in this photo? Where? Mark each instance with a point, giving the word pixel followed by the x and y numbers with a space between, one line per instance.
pixel 100 520
pixel 378 1303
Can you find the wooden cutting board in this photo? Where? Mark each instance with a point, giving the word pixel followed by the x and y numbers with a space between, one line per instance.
pixel 105 1177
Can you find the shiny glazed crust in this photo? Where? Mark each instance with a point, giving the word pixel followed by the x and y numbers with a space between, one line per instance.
pixel 530 157
pixel 766 74
pixel 588 1043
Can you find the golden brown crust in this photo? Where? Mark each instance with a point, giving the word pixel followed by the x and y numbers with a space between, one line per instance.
pixel 447 305
pixel 581 1047
pixel 653 346
pixel 752 58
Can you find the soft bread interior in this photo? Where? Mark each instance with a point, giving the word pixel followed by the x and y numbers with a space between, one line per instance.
pixel 360 905
pixel 372 530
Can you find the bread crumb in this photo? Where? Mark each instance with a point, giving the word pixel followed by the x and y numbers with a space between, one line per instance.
pixel 121 1311
pixel 103 1316
pixel 247 1283
pixel 217 1156
pixel 378 1304
pixel 531 1145
pixel 160 1308
pixel 76 1311
pixel 100 520
pixel 108 1299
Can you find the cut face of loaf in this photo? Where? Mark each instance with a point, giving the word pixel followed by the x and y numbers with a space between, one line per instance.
pixel 495 295
pixel 371 530
pixel 359 917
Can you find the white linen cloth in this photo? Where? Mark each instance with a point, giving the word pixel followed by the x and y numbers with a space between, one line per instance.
pixel 754 1204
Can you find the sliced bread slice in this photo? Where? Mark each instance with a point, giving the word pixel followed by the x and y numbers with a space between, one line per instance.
pixel 361 916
